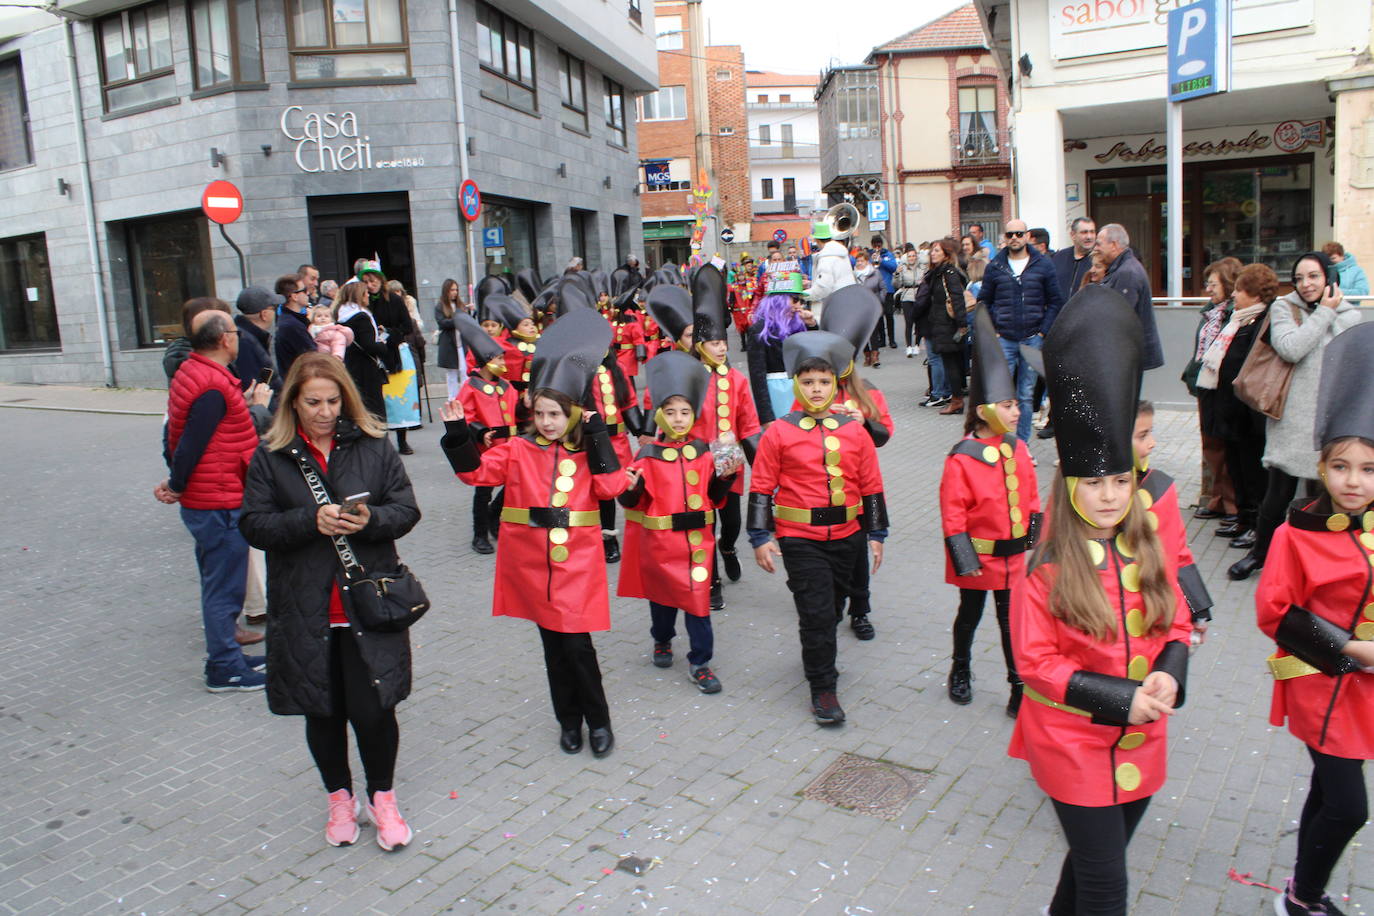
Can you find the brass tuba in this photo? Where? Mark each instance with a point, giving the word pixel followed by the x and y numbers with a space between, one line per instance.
pixel 843 219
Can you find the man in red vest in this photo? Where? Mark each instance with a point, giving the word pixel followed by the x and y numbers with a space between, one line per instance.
pixel 210 440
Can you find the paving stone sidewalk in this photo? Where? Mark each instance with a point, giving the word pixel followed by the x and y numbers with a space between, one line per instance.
pixel 131 790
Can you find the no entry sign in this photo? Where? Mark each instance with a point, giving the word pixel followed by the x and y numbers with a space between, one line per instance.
pixel 222 202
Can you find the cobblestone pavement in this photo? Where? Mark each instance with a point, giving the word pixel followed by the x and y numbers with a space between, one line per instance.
pixel 132 790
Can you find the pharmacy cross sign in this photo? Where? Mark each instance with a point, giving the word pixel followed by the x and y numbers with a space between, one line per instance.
pixel 222 202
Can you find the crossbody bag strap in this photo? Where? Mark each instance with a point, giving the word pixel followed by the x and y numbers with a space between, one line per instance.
pixel 351 567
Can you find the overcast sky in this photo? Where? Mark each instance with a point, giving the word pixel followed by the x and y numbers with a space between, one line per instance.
pixel 804 36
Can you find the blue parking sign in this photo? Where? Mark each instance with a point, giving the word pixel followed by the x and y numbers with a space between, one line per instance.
pixel 877 211
pixel 1199 50
pixel 493 237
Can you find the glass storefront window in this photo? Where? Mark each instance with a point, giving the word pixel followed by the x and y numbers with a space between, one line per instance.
pixel 28 316
pixel 169 262
pixel 1261 215
pixel 518 223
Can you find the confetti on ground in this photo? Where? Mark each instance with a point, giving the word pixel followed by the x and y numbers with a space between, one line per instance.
pixel 508 836
pixel 453 795
pixel 1244 878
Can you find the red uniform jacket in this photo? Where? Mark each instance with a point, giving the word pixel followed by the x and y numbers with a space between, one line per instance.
pixel 806 463
pixel 625 339
pixel 729 408
pixel 667 559
pixel 1073 758
pixel 555 576
pixel 1328 573
pixel 489 405
pixel 988 491
pixel 653 336
pixel 1158 494
pixel 519 354
pixel 612 410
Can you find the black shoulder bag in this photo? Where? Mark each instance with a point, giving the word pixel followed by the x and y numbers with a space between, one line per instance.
pixel 383 602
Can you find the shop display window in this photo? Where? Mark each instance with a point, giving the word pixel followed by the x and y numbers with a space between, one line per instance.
pixel 348 40
pixel 169 262
pixel 518 225
pixel 1261 215
pixel 28 315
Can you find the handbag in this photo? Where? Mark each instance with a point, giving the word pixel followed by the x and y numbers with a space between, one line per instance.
pixel 382 602
pixel 961 332
pixel 1264 378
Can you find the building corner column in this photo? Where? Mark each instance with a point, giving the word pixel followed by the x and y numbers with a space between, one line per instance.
pixel 1353 143
pixel 1039 142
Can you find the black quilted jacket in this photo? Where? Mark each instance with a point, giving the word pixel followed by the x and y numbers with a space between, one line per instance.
pixel 279 517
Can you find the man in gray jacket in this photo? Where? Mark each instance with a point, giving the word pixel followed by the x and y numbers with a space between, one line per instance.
pixel 1126 275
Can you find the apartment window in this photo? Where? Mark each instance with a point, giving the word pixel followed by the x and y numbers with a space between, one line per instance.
pixel 669 32
pixel 784 98
pixel 169 262
pixel 765 135
pixel 636 16
pixel 136 57
pixel 615 110
pixel 789 193
pixel 763 98
pixel 767 192
pixel 572 84
pixel 786 134
pixel 667 104
pixel 28 317
pixel 505 49
pixel 978 120
pixel 16 148
pixel 722 76
pixel 727 132
pixel 348 39
pixel 225 43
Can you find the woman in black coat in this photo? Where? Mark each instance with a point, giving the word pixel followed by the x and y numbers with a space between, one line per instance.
pixel 320 663
pixel 365 358
pixel 945 326
pixel 450 356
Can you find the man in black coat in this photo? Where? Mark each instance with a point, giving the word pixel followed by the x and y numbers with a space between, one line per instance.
pixel 293 326
pixel 1072 264
pixel 257 312
pixel 1127 276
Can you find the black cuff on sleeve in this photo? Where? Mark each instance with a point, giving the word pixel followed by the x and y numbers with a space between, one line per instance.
pixel 601 457
pixel 475 430
pixel 962 554
pixel 1195 591
pixel 1173 661
pixel 875 512
pixel 719 487
pixel 593 424
pixel 634 420
pixel 760 514
pixel 1105 696
pixel 877 432
pixel 459 448
pixel 1037 520
pixel 640 353
pixel 1316 641
pixel 750 445
pixel 630 498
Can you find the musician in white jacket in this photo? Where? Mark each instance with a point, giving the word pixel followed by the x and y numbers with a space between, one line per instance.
pixel 832 269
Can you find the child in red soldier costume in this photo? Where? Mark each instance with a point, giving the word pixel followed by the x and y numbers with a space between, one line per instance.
pixel 674 488
pixel 548 567
pixel 1160 498
pixel 627 340
pixel 1099 628
pixel 494 414
pixel 728 417
pixel 822 470
pixel 1316 601
pixel 744 293
pixel 518 339
pixel 989 510
pixel 654 342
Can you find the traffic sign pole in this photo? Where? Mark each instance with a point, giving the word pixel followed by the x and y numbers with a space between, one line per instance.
pixel 222 202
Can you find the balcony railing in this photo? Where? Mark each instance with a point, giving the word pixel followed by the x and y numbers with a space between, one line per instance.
pixel 780 106
pixel 979 147
pixel 785 151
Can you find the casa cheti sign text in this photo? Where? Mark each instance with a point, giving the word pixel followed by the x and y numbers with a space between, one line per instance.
pixel 331 141
pixel 1288 137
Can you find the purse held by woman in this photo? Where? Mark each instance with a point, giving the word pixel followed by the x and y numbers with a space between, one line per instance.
pixel 1264 378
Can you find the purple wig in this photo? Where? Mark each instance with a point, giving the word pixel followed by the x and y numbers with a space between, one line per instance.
pixel 779 320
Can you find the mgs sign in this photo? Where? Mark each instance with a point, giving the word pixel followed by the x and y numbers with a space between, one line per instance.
pixel 331 142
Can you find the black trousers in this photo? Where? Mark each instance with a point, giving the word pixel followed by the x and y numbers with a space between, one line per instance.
pixel 818 575
pixel 1281 490
pixel 971 601
pixel 486 510
pixel 889 321
pixel 954 371
pixel 1093 879
pixel 860 604
pixel 574 680
pixel 1247 477
pixel 607 515
pixel 728 522
pixel 1336 808
pixel 354 701
pixel 909 322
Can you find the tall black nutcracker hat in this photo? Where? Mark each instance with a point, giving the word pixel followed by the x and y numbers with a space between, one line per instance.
pixel 1344 407
pixel 581 279
pixel 505 310
pixel 671 307
pixel 708 304
pixel 528 284
pixel 488 286
pixel 1092 375
pixel 569 352
pixel 991 380
pixel 573 295
pixel 601 281
pixel 621 281
pixel 675 374
pixel 476 341
pixel 832 348
pixel 851 312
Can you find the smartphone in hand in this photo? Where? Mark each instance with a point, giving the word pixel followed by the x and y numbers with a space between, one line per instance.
pixel 351 503
pixel 265 376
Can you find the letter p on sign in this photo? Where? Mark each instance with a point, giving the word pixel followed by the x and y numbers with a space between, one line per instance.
pixel 1194 21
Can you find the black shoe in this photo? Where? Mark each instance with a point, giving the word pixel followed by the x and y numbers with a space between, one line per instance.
pixel 1231 529
pixel 961 684
pixel 928 402
pixel 861 627
pixel 482 545
pixel 1230 519
pixel 877 365
pixel 612 547
pixel 717 599
pixel 730 560
pixel 825 706
pixel 1014 701
pixel 1244 541
pixel 405 449
pixel 940 402
pixel 663 655
pixel 1242 568
pixel 1204 512
pixel 570 740
pixel 1046 433
pixel 704 678
pixel 602 740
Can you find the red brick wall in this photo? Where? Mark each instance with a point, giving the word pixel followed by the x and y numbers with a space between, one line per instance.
pixel 670 139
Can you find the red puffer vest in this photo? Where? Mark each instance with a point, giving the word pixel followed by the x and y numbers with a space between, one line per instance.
pixel 217 481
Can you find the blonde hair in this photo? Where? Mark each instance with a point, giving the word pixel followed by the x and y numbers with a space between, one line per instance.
pixel 308 366
pixel 1076 594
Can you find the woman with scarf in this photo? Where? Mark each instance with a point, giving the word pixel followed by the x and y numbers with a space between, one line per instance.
pixel 1220 279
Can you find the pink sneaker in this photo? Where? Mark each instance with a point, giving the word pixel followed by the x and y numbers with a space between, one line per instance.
pixel 342 828
pixel 392 830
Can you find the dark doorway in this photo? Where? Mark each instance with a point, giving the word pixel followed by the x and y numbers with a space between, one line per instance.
pixel 345 227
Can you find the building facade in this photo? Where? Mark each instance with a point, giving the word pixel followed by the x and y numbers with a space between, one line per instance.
pixel 1259 161
pixel 784 143
pixel 851 146
pixel 337 121
pixel 669 167
pixel 946 155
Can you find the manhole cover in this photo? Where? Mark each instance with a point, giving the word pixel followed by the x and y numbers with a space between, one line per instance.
pixel 867 786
